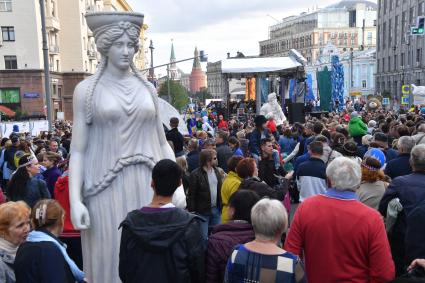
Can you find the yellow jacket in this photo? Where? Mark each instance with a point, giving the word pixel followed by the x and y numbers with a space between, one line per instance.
pixel 230 185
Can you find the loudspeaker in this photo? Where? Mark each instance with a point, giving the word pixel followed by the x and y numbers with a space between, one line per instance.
pixel 296 113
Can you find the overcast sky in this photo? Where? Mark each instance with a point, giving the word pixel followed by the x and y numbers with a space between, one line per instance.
pixel 218 26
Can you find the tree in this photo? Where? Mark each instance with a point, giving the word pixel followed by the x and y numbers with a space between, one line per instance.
pixel 202 94
pixel 179 95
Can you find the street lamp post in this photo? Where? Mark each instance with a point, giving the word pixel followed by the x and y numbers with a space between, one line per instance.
pixel 151 70
pixel 46 65
pixel 168 84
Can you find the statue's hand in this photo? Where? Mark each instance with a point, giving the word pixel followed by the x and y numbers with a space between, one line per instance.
pixel 80 216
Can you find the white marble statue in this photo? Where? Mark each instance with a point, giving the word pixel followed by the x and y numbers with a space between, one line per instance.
pixel 418 90
pixel 272 106
pixel 117 139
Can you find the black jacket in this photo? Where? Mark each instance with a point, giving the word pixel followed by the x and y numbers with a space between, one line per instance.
pixel 267 172
pixel 177 139
pixel 199 195
pixel 224 152
pixel 261 188
pixel 41 262
pixel 162 247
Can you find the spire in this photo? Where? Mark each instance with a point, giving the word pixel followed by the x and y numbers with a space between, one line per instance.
pixel 196 62
pixel 172 56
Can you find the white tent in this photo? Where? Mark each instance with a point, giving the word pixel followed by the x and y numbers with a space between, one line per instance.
pixel 258 65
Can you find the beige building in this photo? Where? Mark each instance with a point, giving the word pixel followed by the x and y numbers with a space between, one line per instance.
pixel 347 24
pixel 72 51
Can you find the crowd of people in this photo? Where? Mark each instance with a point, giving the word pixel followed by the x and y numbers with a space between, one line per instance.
pixel 339 198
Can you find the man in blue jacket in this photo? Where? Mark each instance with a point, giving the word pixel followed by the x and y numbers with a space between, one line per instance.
pixel 410 190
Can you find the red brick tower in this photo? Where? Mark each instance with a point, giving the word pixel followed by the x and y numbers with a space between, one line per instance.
pixel 197 77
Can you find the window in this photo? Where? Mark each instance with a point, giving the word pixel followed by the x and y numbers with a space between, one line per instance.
pixel 5 5
pixel 412 15
pixel 8 33
pixel 395 62
pixel 419 55
pixel 10 62
pixel 402 59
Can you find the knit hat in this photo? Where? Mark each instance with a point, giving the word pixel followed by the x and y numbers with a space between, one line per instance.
pixel 354 114
pixel 377 154
pixel 349 149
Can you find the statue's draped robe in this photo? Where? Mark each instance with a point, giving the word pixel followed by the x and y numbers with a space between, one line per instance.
pixel 123 146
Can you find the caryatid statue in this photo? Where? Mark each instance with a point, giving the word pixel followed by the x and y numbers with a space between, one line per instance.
pixel 272 106
pixel 118 137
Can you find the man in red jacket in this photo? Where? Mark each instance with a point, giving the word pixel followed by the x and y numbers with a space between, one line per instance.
pixel 342 240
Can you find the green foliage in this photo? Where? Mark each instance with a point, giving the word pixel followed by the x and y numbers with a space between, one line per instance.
pixel 202 95
pixel 179 95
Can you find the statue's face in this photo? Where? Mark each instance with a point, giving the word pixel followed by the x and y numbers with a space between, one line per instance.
pixel 121 53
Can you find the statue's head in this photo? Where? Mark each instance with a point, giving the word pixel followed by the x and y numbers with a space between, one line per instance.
pixel 116 30
pixel 271 97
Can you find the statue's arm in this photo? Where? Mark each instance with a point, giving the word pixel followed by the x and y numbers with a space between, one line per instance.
pixel 79 213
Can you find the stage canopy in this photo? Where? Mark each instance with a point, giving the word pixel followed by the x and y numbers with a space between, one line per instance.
pixel 258 65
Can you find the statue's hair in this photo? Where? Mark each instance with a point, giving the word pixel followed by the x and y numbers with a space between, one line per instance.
pixel 104 41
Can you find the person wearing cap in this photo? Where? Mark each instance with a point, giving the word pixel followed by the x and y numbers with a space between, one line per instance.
pixel 409 189
pixel 176 137
pixel 372 187
pixel 350 150
pixel 380 140
pixel 400 165
pixel 260 132
pixel 356 127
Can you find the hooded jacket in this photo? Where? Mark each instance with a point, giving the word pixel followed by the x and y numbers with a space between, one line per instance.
pixel 356 127
pixel 221 242
pixel 164 246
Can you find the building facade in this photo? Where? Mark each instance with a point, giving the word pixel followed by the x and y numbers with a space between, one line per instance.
pixel 400 59
pixel 347 24
pixel 216 81
pixel 71 45
pixel 359 70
